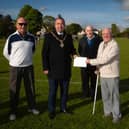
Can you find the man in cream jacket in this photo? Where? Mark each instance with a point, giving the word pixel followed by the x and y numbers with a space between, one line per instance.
pixel 108 64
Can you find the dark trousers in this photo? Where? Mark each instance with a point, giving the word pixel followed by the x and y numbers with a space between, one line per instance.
pixel 88 82
pixel 16 75
pixel 53 86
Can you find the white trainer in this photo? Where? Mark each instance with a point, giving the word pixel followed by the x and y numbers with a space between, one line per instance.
pixel 12 117
pixel 34 111
pixel 115 120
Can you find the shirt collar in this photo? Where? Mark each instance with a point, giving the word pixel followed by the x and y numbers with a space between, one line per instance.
pixel 60 33
pixel 90 38
pixel 20 34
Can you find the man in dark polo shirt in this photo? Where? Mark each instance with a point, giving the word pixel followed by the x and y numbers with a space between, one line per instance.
pixel 88 47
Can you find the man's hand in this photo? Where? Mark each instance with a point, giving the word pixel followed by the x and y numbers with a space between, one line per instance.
pixel 97 72
pixel 45 72
pixel 74 56
pixel 88 61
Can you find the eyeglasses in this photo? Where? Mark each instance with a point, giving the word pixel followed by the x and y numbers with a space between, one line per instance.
pixel 21 24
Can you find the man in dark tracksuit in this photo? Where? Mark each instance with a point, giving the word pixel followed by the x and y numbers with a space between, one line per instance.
pixel 56 56
pixel 88 47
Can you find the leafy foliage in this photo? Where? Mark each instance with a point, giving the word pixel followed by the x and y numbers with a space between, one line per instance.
pixel 48 22
pixel 115 30
pixel 6 25
pixel 34 18
pixel 24 11
pixel 73 28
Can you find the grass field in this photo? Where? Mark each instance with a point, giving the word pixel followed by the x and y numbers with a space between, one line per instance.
pixel 82 108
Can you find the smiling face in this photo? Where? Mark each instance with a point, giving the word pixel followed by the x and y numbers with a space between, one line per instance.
pixel 21 25
pixel 59 25
pixel 106 34
pixel 89 31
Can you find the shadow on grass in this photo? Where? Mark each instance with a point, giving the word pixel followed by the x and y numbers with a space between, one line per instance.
pixel 5 71
pixel 125 108
pixel 124 85
pixel 80 104
pixel 83 101
pixel 79 95
pixel 22 109
pixel 43 105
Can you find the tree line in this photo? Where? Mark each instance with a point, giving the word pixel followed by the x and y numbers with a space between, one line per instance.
pixel 36 21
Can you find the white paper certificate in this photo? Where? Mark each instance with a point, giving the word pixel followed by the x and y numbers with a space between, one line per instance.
pixel 79 62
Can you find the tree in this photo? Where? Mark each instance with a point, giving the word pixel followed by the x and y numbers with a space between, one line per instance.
pixel 115 30
pixel 73 28
pixel 48 22
pixel 1 16
pixel 34 18
pixel 24 11
pixel 6 25
pixel 125 33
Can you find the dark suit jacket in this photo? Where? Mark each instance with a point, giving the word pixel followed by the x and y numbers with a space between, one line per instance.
pixel 55 59
pixel 89 51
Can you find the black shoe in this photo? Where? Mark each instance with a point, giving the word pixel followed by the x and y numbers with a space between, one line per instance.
pixel 52 115
pixel 66 112
pixel 84 96
pixel 92 98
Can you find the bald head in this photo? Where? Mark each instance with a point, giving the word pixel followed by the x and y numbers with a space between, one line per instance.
pixel 106 34
pixel 89 27
pixel 107 30
pixel 89 31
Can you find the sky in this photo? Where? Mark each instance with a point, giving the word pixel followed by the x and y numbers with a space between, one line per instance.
pixel 99 13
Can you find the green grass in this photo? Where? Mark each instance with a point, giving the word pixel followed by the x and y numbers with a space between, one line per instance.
pixel 82 108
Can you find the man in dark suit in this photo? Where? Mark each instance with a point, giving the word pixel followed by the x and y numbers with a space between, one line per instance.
pixel 56 56
pixel 88 47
